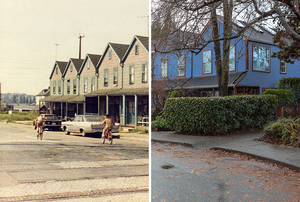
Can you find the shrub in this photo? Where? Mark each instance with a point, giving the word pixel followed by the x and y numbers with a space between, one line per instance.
pixel 219 114
pixel 274 129
pixel 286 129
pixel 160 124
pixel 291 131
pixel 284 96
pixel 291 83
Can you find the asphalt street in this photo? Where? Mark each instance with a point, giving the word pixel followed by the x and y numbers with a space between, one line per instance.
pixel 180 173
pixel 71 167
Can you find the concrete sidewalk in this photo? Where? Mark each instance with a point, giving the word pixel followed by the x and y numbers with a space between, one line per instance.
pixel 242 143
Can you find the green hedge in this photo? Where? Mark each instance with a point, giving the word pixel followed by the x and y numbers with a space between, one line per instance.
pixel 215 115
pixel 284 96
pixel 292 83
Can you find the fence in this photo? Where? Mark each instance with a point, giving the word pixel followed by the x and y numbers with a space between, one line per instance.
pixel 287 111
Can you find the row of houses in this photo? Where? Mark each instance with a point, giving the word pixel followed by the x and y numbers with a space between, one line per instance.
pixel 251 69
pixel 115 82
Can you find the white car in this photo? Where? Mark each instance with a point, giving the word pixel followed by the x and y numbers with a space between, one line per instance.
pixel 85 124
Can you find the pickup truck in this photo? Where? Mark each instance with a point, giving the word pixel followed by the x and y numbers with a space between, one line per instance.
pixel 85 124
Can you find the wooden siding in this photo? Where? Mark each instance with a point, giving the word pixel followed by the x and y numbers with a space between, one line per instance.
pixel 136 60
pixel 70 75
pixel 88 73
pixel 55 77
pixel 109 64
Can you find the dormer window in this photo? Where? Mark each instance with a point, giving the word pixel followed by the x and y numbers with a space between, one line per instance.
pixel 109 54
pixel 136 49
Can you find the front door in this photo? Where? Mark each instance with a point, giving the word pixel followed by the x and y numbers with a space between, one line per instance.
pixel 130 111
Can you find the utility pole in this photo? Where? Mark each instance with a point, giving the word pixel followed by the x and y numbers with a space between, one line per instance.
pixel 80 45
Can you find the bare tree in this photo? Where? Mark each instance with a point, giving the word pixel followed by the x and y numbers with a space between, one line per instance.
pixel 180 24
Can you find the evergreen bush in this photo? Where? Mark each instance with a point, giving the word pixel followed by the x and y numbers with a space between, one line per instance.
pixel 291 83
pixel 284 96
pixel 216 115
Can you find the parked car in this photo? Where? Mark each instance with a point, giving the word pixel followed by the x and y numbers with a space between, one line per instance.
pixel 52 122
pixel 85 124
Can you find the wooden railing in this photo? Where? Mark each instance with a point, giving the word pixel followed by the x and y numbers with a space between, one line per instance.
pixel 287 111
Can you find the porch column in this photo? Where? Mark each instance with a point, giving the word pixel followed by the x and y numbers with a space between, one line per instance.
pixel 61 110
pixel 124 106
pixel 66 110
pixel 135 109
pixel 98 105
pixel 84 105
pixel 39 107
pixel 77 108
pixel 107 104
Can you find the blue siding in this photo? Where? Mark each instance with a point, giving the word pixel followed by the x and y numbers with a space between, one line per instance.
pixel 194 63
pixel 268 79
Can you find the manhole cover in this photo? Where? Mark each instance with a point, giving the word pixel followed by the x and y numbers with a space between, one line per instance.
pixel 167 166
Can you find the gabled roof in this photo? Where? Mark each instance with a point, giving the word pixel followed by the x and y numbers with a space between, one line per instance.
pixel 119 50
pixel 94 59
pixel 44 92
pixel 77 64
pixel 257 32
pixel 61 66
pixel 142 39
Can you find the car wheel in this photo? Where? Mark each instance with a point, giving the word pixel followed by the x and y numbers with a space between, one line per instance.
pixel 83 133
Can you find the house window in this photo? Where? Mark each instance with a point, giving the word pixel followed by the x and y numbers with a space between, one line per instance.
pixel 136 49
pixel 115 75
pixel 232 58
pixel 71 67
pixel 54 86
pixel 68 86
pixel 181 65
pixel 144 73
pixel 131 74
pixel 59 87
pixel 74 86
pixel 282 67
pixel 105 75
pixel 56 70
pixel 92 83
pixel 261 58
pixel 88 64
pixel 109 54
pixel 85 84
pixel 164 68
pixel 207 62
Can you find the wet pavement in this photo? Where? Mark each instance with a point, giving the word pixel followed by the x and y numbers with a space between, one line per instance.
pixel 181 173
pixel 243 143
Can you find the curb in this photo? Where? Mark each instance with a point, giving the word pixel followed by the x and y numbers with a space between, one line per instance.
pixel 280 163
pixel 173 142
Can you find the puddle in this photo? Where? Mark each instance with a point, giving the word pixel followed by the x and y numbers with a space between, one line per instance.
pixel 167 166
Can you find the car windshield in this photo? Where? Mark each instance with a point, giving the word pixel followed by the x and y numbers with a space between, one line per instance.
pixel 51 117
pixel 94 118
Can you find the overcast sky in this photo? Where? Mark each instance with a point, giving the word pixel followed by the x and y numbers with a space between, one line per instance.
pixel 29 30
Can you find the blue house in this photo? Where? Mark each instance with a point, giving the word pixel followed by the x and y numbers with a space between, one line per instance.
pixel 251 69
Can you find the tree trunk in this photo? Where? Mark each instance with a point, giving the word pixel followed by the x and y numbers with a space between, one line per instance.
pixel 227 9
pixel 217 48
